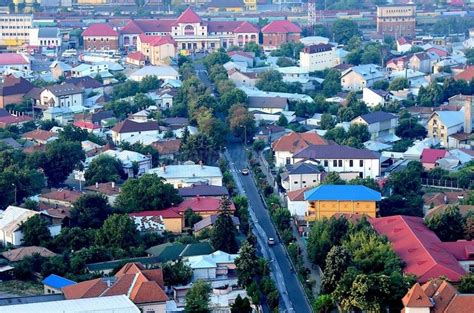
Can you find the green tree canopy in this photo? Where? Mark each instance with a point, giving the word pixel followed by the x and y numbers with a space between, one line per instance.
pixel 104 169
pixel 448 225
pixel 344 29
pixel 90 211
pixel 118 231
pixel 176 273
pixel 197 298
pixel 223 231
pixel 35 231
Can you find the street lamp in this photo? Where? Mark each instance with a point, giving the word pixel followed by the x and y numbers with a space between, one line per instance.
pixel 245 134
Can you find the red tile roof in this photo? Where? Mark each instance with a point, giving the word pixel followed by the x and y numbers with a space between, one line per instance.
pixel 129 126
pixel 13 120
pixel 19 254
pixel 201 204
pixel 246 27
pixel 188 16
pixel 156 41
pixel 283 26
pixel 147 26
pixel 167 146
pixel 422 251
pixel 416 298
pixel 39 135
pixel 294 142
pixel 12 58
pixel 467 74
pixel 86 125
pixel 168 213
pixel 430 156
pixel 99 30
pixel 241 53
pixel 140 285
pixel 137 55
pixel 62 195
pixel 297 195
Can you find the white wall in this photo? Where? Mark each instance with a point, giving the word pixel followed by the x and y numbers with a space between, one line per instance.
pixel 297 208
pixel 119 137
pixel 66 101
pixel 318 61
pixel 281 156
pixel 300 181
pixel 204 273
pixel 370 167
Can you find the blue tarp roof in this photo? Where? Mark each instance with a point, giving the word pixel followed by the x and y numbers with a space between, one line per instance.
pixel 57 282
pixel 342 193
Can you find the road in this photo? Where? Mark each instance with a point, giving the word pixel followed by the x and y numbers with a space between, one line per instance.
pixel 287 282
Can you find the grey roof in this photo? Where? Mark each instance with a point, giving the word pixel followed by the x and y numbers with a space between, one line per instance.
pixel 377 117
pixel 48 32
pixel 64 90
pixel 267 102
pixel 11 143
pixel 210 220
pixel 334 152
pixel 451 118
pixel 303 168
pixel 31 299
pixel 203 190
pixel 380 92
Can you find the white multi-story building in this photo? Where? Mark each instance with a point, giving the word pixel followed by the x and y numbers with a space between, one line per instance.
pixel 347 161
pixel 47 37
pixel 15 29
pixel 318 57
pixel 186 175
pixel 65 95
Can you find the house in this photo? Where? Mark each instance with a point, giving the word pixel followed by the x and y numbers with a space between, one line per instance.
pixel 287 145
pixel 269 105
pixel 18 254
pixel 208 222
pixel 14 62
pixel 40 136
pixel 429 157
pixel 216 265
pixel 46 38
pixel 57 304
pixel 144 287
pixel 358 77
pixel 296 202
pixel 203 191
pixel 62 115
pixel 60 69
pixel 174 251
pixel 186 175
pixel 421 62
pixel 398 63
pixel 467 74
pixel 10 120
pixel 297 74
pixel 54 284
pixel 100 37
pixel 10 225
pixel 88 126
pixel 136 58
pixel 13 90
pixel 328 200
pixel 318 57
pixel 443 124
pixel 347 161
pixel 203 206
pixel 423 253
pixel 436 295
pixel 128 159
pixel 375 97
pixel 247 79
pixel 301 175
pixel 110 190
pixel 65 95
pixel 277 33
pixel 152 224
pixel 87 83
pixel 242 56
pixel 403 45
pixel 156 49
pixel 167 149
pixel 60 197
pixel 161 72
pixel 128 129
pixel 171 220
pixel 381 125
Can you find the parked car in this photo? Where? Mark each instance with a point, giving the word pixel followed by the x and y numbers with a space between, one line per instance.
pixel 245 171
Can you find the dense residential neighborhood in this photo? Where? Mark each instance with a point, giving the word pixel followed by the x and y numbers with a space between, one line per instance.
pixel 236 156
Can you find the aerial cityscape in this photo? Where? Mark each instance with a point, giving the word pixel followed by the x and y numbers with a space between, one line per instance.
pixel 236 156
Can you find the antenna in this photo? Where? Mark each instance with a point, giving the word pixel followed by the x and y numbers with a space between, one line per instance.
pixel 312 12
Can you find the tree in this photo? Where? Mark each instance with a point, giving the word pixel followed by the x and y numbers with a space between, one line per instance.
pixel 343 30
pixel 337 261
pixel 58 160
pixel 398 83
pixel 103 169
pixel 126 89
pixel 176 273
pixel 191 218
pixel 118 231
pixel 223 231
pixel 409 128
pixel 149 82
pixel 197 298
pixel 199 148
pixel 148 192
pixel 90 211
pixel 35 231
pixel 241 305
pixel 231 97
pixel 253 47
pixel 467 283
pixel 323 304
pixel 333 178
pixel 285 62
pixel 241 121
pixel 246 263
pixel 218 57
pixel 282 121
pixel 327 121
pixel 73 238
pixel 431 96
pixel 469 226
pixel 448 225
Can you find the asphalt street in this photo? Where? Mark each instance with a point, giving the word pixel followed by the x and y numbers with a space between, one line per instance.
pixel 287 282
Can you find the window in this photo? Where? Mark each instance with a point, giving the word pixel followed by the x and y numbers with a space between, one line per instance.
pixel 351 163
pixel 303 182
pixel 295 182
pixel 326 163
pixel 334 163
pixel 361 163
pixel 340 163
pixel 288 160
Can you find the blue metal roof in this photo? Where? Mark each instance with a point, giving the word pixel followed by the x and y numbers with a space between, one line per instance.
pixel 57 282
pixel 342 193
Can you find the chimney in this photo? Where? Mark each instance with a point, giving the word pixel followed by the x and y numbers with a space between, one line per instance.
pixel 113 185
pixel 96 185
pixel 468 114
pixel 200 163
pixel 445 199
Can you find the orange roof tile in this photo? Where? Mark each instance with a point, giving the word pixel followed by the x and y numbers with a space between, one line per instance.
pixel 416 298
pixel 294 142
pixel 86 289
pixel 467 74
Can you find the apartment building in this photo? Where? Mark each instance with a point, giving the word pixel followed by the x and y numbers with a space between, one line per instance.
pixel 15 29
pixel 396 20
pixel 318 57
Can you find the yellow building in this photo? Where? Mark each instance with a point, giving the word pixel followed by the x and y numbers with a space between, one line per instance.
pixel 15 29
pixel 328 200
pixel 443 124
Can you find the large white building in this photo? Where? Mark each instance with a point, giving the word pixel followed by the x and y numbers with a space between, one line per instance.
pixel 46 37
pixel 65 95
pixel 15 29
pixel 186 175
pixel 318 57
